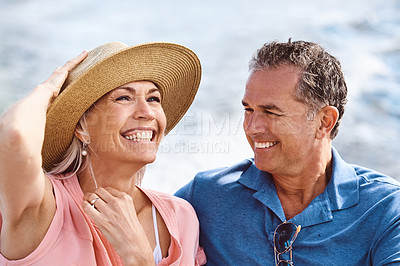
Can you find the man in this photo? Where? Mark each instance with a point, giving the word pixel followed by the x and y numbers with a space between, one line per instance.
pixel 252 213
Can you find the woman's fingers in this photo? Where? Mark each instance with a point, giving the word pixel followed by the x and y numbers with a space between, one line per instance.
pixel 114 214
pixel 71 64
pixel 58 77
pixel 108 200
pixel 56 80
pixel 90 210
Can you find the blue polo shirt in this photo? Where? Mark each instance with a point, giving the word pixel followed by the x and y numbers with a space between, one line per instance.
pixel 355 221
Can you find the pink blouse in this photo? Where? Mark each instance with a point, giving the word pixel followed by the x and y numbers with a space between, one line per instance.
pixel 73 239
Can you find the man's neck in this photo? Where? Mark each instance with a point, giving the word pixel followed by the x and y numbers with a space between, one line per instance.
pixel 297 191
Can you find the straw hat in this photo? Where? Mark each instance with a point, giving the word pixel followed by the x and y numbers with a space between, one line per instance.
pixel 173 68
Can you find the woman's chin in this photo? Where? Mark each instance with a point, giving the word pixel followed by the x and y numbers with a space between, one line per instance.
pixel 146 157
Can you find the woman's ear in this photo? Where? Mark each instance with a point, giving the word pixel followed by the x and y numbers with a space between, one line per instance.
pixel 328 117
pixel 81 135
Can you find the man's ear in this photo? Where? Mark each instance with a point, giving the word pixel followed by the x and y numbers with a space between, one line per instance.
pixel 328 117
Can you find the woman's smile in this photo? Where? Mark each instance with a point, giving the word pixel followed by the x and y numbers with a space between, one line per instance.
pixel 140 135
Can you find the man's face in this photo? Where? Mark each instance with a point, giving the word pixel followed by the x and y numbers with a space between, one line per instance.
pixel 277 126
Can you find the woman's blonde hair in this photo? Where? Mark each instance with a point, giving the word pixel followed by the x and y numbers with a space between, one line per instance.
pixel 73 160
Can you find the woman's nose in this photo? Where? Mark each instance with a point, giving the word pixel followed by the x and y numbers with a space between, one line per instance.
pixel 143 110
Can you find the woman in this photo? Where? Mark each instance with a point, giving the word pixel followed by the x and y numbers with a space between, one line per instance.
pixel 73 150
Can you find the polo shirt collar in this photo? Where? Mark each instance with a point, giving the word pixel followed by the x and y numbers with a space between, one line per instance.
pixel 264 189
pixel 341 192
pixel 343 188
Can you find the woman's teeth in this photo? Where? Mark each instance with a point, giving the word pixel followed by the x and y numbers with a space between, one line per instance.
pixel 140 136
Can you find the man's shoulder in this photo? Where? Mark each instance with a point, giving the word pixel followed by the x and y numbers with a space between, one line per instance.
pixel 208 182
pixel 221 172
pixel 372 178
pixel 354 176
pixel 372 188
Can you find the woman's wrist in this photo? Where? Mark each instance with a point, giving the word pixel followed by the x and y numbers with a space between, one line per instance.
pixel 134 253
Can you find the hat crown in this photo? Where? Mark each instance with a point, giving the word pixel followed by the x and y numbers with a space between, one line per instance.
pixel 94 56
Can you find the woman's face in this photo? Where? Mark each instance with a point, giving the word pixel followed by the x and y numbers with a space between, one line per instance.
pixel 127 124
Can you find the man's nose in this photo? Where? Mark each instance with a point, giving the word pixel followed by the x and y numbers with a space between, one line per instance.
pixel 254 124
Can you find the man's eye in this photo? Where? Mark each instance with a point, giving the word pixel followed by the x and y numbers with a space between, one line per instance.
pixel 271 113
pixel 154 99
pixel 248 109
pixel 123 98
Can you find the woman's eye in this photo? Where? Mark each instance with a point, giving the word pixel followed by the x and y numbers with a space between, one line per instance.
pixel 154 99
pixel 123 98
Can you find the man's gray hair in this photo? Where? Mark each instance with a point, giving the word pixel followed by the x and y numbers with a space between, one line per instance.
pixel 321 81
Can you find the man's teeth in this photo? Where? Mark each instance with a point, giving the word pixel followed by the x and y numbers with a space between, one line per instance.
pixel 262 145
pixel 140 136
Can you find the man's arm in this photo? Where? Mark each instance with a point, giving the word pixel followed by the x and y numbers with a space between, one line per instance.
pixel 386 249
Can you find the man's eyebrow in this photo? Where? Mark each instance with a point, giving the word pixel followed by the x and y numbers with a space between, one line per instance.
pixel 265 107
pixel 270 107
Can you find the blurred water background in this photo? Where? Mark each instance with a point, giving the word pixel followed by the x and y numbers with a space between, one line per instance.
pixel 38 35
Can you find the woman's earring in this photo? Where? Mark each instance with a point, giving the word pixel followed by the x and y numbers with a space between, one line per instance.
pixel 84 149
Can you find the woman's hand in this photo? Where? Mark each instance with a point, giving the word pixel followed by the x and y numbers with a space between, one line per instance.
pixel 54 83
pixel 114 213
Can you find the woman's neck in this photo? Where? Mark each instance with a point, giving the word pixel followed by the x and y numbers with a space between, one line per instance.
pixel 124 183
pixel 117 177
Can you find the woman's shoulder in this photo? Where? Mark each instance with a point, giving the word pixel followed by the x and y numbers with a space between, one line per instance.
pixel 171 208
pixel 166 199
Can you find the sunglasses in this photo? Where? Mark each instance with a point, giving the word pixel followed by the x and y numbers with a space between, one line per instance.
pixel 284 236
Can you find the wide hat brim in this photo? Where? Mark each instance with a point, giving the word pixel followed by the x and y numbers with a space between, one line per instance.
pixel 173 68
